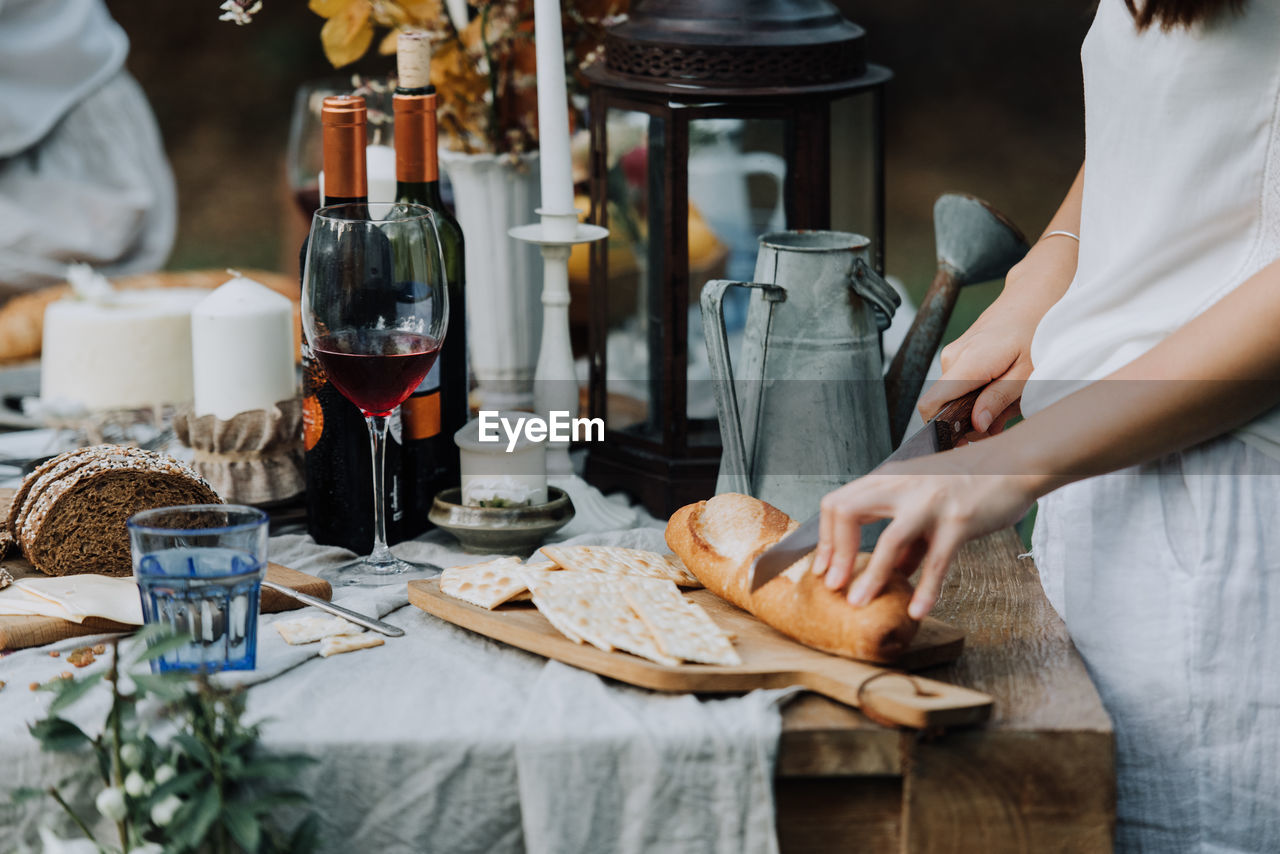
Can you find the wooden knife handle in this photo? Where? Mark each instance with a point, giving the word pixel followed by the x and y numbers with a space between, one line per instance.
pixel 956 418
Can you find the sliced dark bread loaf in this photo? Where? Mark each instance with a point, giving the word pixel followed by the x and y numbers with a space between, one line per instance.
pixel 69 517
pixel 53 471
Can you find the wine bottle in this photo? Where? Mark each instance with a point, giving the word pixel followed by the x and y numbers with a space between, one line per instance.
pixel 339 467
pixel 435 411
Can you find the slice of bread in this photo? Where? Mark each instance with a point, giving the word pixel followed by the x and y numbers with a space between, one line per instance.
pixel 69 515
pixel 717 539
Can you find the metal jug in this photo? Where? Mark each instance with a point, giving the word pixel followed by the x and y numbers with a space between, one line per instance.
pixel 806 409
pixel 808 406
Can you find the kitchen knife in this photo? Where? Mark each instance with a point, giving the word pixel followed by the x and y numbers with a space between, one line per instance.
pixel 938 434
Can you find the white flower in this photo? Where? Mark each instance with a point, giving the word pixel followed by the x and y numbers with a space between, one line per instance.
pixel 239 11
pixel 131 756
pixel 163 812
pixel 135 785
pixel 164 774
pixel 110 802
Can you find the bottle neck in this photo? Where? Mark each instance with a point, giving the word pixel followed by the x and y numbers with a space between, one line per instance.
pixel 417 169
pixel 345 175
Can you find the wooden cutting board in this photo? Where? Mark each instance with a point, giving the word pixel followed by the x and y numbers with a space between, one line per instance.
pixel 22 632
pixel 769 660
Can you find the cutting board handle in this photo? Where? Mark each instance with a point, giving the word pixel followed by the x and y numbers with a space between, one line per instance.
pixel 899 698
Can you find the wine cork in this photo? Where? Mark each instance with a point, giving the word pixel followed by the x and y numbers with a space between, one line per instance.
pixel 413 59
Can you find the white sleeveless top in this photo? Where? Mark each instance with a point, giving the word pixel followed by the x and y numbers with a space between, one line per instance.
pixel 1181 192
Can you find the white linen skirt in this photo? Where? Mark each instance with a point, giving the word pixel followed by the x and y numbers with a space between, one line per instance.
pixel 1168 577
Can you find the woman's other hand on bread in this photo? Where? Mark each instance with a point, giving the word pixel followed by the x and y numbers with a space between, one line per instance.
pixel 936 503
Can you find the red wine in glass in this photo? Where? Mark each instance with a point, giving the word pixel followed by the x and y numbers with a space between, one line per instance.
pixel 376 369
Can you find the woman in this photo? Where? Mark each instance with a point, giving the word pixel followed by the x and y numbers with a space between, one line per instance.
pixel 1139 337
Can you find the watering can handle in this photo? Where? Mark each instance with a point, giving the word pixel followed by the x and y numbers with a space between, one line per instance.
pixel 737 463
pixel 879 294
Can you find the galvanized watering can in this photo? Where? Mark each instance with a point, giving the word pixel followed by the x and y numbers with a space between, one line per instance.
pixel 806 408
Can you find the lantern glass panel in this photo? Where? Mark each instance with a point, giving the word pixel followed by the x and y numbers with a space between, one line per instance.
pixel 737 192
pixel 632 351
pixel 854 170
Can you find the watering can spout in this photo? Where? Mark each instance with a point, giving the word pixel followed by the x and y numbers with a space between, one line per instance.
pixel 975 243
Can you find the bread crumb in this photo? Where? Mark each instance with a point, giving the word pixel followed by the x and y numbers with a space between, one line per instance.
pixel 81 657
pixel 54 653
pixel 66 674
pixel 100 649
pixel 2 684
pixel 34 686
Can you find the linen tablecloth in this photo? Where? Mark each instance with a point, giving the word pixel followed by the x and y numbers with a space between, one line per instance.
pixel 444 741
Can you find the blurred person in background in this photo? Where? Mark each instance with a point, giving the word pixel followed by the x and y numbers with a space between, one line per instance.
pixel 1138 337
pixel 83 173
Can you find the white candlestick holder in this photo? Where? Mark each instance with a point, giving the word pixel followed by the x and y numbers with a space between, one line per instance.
pixel 555 384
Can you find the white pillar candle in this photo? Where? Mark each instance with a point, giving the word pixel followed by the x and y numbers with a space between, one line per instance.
pixel 553 110
pixel 380 160
pixel 497 474
pixel 242 349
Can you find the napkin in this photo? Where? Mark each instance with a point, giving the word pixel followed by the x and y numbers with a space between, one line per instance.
pixel 74 598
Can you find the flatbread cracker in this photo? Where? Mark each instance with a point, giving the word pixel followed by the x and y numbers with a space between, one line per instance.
pixel 487 584
pixel 536 580
pixel 540 566
pixel 593 606
pixel 615 560
pixel 310 629
pixel 338 644
pixel 681 628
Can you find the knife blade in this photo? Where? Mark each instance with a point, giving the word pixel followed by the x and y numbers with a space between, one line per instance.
pixel 938 434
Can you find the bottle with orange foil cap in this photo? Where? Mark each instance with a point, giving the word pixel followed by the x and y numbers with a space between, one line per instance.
pixel 435 411
pixel 338 466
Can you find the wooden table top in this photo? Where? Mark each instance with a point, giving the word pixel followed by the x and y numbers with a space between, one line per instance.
pixel 1039 776
pixel 1016 649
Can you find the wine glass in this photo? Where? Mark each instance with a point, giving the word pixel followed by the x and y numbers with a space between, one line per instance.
pixel 374 311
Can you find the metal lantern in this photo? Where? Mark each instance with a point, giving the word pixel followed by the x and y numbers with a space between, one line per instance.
pixel 712 122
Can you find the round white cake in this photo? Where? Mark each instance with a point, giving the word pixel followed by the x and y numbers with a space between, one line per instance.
pixel 129 350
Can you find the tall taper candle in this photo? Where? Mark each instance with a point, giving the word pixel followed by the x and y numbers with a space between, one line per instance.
pixel 553 110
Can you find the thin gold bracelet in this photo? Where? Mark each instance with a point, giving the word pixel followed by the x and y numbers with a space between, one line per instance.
pixel 1074 237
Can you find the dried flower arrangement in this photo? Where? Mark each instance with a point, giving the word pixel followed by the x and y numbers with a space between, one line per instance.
pixel 483 65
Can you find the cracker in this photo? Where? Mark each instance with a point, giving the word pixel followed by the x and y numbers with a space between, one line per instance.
pixel 596 610
pixel 310 629
pixel 682 629
pixel 615 560
pixel 5 577
pixel 537 580
pixel 338 644
pixel 539 567
pixel 487 584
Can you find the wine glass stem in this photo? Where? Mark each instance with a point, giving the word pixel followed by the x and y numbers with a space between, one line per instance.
pixel 381 555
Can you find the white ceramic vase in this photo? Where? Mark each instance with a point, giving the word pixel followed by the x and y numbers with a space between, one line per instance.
pixel 492 193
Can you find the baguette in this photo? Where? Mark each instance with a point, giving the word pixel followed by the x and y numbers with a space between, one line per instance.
pixel 719 538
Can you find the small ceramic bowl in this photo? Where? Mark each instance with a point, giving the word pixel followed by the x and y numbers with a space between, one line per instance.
pixel 501 530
